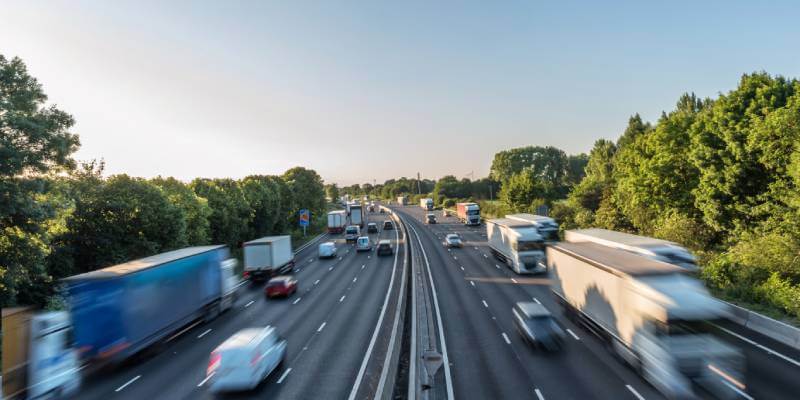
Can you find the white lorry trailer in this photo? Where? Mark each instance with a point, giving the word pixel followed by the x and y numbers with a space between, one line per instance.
pixel 518 244
pixel 337 220
pixel 268 256
pixel 546 226
pixel 652 314
pixel 656 249
pixel 357 215
pixel 39 360
pixel 402 200
pixel 426 204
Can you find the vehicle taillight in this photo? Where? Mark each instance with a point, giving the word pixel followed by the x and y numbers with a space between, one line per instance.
pixel 213 363
pixel 246 274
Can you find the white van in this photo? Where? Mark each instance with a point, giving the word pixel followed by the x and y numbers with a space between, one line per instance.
pixel 327 250
pixel 245 359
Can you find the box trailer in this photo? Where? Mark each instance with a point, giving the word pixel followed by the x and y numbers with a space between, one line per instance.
pixel 426 204
pixel 402 200
pixel 469 213
pixel 120 310
pixel 357 215
pixel 516 243
pixel 268 256
pixel 546 226
pixel 652 314
pixel 337 220
pixel 656 249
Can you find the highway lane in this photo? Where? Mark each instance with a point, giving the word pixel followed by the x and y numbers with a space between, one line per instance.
pixel 327 324
pixel 768 374
pixel 491 360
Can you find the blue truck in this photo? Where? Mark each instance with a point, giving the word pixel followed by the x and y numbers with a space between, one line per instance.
pixel 120 310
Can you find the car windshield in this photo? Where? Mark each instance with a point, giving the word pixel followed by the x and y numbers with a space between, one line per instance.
pixel 363 241
pixel 352 230
pixel 542 325
pixel 549 234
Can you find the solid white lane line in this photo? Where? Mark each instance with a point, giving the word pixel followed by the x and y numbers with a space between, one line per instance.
pixel 537 300
pixel 341 299
pixel 472 283
pixel 368 354
pixel 760 346
pixel 321 327
pixel 203 334
pixel 128 383
pixel 206 379
pixel 448 379
pixel 249 304
pixel 635 393
pixel 280 380
pixel 506 338
pixel 484 303
pixel 514 280
pixel 538 394
pixel 737 390
pixel 297 301
pixel 573 334
pixel 316 282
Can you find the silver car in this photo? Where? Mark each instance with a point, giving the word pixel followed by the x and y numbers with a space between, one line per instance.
pixel 453 240
pixel 245 359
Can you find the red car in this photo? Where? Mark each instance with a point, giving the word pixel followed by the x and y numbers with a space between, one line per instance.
pixel 280 286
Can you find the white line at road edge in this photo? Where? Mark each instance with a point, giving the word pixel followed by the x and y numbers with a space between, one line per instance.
pixel 445 360
pixel 280 380
pixel 203 334
pixel 760 346
pixel 506 338
pixel 372 341
pixel 573 334
pixel 538 394
pixel 206 379
pixel 635 393
pixel 128 383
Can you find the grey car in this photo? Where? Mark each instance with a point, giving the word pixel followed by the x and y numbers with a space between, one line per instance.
pixel 537 326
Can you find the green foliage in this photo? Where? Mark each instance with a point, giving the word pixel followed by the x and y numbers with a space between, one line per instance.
pixel 230 211
pixel 270 201
pixel 307 189
pixel 332 191
pixel 121 219
pixel 195 209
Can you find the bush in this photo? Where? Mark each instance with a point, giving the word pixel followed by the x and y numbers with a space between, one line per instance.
pixel 449 203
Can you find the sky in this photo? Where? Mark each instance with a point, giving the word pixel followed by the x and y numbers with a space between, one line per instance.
pixel 367 91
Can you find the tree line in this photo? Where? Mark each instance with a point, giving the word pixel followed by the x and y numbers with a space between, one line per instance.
pixel 720 176
pixel 59 218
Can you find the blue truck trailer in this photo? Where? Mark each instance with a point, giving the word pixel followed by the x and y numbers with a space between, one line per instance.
pixel 120 310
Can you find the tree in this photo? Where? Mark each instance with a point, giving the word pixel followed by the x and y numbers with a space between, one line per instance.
pixel 122 219
pixel 230 211
pixel 264 199
pixel 195 209
pixel 34 140
pixel 598 179
pixel 521 191
pixel 332 192
pixel 307 189
pixel 636 127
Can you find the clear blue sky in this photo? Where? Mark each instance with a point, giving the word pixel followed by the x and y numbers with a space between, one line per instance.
pixel 362 91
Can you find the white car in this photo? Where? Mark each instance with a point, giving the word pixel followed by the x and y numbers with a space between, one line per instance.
pixel 363 244
pixel 327 250
pixel 245 359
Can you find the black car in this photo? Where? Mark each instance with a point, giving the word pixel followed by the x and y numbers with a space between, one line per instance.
pixel 372 227
pixel 385 248
pixel 382 211
pixel 388 225
pixel 537 326
pixel 430 219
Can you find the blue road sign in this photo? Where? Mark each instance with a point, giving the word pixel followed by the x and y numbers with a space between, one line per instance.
pixel 304 217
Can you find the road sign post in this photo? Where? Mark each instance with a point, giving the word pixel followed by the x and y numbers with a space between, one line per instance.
pixel 304 219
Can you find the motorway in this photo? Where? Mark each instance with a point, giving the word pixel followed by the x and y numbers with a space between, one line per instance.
pixel 488 359
pixel 335 342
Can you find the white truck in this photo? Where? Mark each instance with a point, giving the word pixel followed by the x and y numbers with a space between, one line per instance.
pixel 337 220
pixel 402 200
pixel 469 213
pixel 268 256
pixel 38 357
pixel 426 204
pixel 546 226
pixel 656 249
pixel 652 314
pixel 518 244
pixel 357 215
